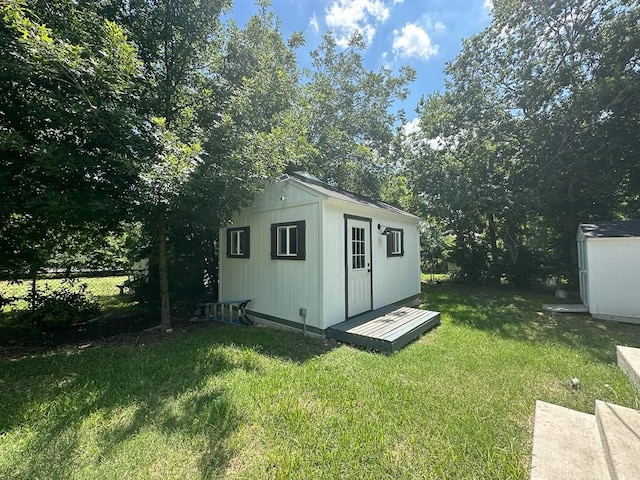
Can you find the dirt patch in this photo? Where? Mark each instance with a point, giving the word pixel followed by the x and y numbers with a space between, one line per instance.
pixel 131 331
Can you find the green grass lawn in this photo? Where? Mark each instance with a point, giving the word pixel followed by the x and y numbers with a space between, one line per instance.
pixel 104 289
pixel 227 402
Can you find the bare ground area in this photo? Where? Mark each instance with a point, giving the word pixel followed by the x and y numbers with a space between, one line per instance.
pixel 131 331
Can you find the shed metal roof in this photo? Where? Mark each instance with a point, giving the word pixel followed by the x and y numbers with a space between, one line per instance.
pixel 333 192
pixel 611 229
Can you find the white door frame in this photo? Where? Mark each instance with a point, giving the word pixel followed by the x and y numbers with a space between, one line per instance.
pixel 358 288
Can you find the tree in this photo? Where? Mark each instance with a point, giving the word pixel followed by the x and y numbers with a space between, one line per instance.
pixel 220 96
pixel 69 134
pixel 544 102
pixel 465 164
pixel 569 71
pixel 351 127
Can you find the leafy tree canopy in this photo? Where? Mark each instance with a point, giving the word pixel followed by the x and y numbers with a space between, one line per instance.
pixel 69 133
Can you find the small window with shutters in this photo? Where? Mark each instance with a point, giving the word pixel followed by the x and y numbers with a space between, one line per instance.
pixel 395 242
pixel 238 242
pixel 288 240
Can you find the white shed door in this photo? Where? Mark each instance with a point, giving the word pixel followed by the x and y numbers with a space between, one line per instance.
pixel 358 259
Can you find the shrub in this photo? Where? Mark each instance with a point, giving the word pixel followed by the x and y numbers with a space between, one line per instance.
pixel 61 308
pixel 526 271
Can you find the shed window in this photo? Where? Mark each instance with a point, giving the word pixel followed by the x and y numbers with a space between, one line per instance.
pixel 288 240
pixel 238 242
pixel 395 242
pixel 358 245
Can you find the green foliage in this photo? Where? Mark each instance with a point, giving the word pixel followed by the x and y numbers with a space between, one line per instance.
pixel 69 133
pixel 472 257
pixel 156 113
pixel 537 131
pixel 351 126
pixel 434 250
pixel 63 307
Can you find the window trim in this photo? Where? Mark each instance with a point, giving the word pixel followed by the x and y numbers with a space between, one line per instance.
pixel 300 229
pixel 393 233
pixel 246 231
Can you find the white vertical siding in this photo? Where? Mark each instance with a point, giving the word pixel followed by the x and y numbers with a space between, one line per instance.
pixel 614 276
pixel 394 278
pixel 333 261
pixel 279 288
pixel 276 287
pixel 583 267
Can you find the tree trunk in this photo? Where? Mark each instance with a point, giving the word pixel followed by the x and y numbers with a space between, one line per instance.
pixel 34 288
pixel 165 307
pixel 494 267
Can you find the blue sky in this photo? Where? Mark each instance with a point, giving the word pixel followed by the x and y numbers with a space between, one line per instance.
pixel 424 34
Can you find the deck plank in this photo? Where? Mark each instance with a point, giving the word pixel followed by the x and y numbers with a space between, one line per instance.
pixel 386 329
pixel 384 326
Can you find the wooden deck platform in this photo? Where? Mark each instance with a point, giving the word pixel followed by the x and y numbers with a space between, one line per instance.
pixel 387 329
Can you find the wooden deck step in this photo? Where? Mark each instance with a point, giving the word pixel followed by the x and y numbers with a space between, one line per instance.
pixel 386 329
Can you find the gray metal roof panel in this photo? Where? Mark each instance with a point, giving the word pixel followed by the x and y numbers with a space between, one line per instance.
pixel 334 192
pixel 611 229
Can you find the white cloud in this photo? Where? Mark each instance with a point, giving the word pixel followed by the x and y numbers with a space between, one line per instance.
pixel 439 27
pixel 412 127
pixel 346 17
pixel 313 23
pixel 437 143
pixel 412 41
pixel 488 4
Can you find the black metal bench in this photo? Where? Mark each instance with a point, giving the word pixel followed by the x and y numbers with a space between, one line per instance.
pixel 232 312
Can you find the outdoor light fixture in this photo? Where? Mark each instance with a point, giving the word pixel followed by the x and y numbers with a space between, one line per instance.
pixel 384 230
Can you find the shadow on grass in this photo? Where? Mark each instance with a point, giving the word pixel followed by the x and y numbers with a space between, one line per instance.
pixel 53 402
pixel 282 345
pixel 112 397
pixel 517 314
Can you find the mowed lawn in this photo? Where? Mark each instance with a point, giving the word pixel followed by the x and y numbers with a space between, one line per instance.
pixel 227 402
pixel 105 290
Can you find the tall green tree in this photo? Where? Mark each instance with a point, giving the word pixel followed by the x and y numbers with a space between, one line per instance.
pixel 176 41
pixel 466 163
pixel 70 135
pixel 569 70
pixel 554 87
pixel 351 122
pixel 220 97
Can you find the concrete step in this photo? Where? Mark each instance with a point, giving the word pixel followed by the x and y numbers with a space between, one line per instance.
pixel 629 363
pixel 566 445
pixel 619 429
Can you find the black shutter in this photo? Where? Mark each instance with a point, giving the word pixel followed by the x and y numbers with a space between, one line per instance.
pixel 302 240
pixel 274 241
pixel 402 242
pixel 247 242
pixel 389 244
pixel 228 242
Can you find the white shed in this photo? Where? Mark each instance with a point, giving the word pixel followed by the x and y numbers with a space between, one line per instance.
pixel 310 255
pixel 609 268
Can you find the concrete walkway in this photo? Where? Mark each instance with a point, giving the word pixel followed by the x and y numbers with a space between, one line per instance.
pixel 566 445
pixel 629 362
pixel 574 445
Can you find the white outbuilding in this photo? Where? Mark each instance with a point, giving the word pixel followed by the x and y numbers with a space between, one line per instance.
pixel 609 268
pixel 310 256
